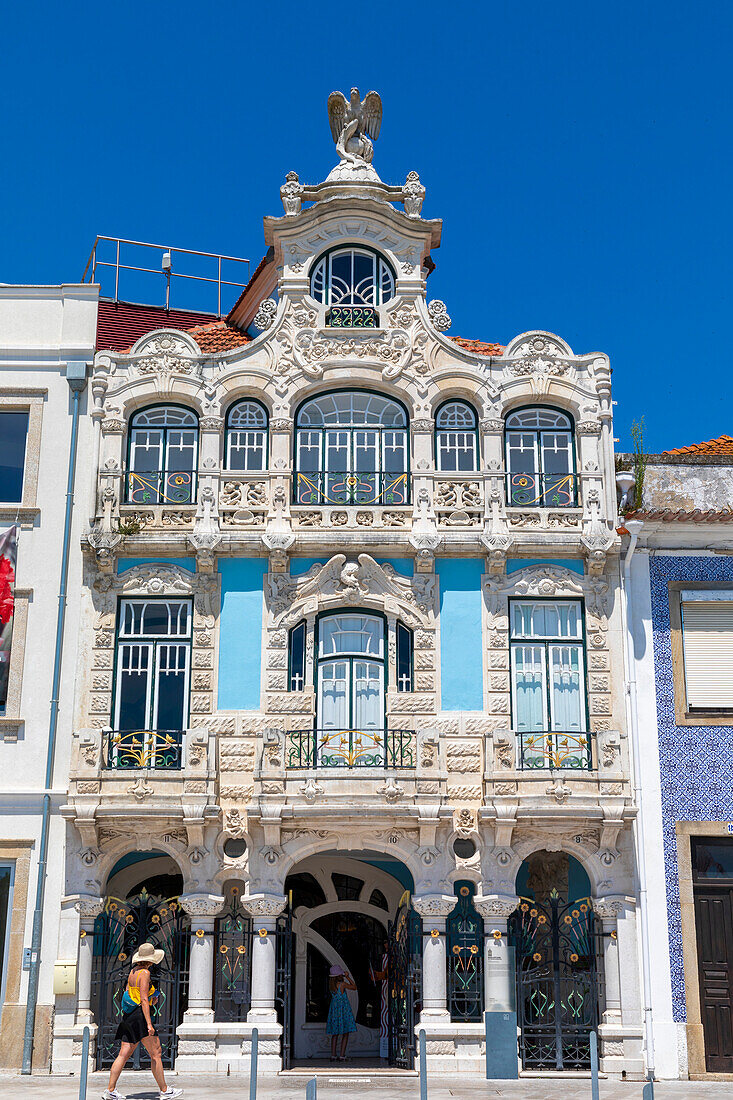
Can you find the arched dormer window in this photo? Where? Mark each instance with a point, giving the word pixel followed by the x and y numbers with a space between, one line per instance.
pixel 351 447
pixel 163 456
pixel 456 437
pixel 352 282
pixel 246 436
pixel 540 459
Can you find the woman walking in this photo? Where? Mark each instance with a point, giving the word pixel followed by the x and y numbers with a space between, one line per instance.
pixel 341 1022
pixel 136 1025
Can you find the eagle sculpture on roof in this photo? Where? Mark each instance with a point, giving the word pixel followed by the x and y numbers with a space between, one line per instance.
pixel 354 123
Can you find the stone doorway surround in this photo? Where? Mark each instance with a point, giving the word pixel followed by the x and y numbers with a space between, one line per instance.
pixel 684 831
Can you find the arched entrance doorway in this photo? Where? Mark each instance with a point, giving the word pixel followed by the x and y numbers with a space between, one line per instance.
pixel 342 909
pixel 141 905
pixel 558 963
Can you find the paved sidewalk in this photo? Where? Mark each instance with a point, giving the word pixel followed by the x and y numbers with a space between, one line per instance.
pixel 377 1086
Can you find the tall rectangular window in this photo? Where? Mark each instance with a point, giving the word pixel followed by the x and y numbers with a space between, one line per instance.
pixel 707 645
pixel 153 661
pixel 548 666
pixel 13 432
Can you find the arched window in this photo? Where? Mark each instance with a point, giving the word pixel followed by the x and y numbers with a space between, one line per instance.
pixel 352 282
pixel 246 436
pixel 540 459
pixel 351 447
pixel 456 438
pixel 163 456
pixel 350 689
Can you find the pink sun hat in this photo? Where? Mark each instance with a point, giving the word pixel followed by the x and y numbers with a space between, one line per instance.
pixel 335 972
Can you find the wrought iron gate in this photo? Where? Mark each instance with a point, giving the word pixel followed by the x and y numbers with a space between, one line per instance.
pixel 118 931
pixel 404 983
pixel 465 943
pixel 559 981
pixel 232 962
pixel 283 981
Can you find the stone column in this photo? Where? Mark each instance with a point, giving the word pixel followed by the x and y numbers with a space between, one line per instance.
pixel 88 909
pixel 498 966
pixel 264 910
pixel 606 910
pixel 434 909
pixel 202 909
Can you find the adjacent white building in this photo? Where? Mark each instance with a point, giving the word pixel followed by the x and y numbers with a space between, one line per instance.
pixel 47 341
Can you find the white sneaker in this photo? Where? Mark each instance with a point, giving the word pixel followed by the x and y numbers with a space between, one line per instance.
pixel 112 1094
pixel 170 1094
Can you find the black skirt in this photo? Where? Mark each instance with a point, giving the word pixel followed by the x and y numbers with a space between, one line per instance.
pixel 132 1027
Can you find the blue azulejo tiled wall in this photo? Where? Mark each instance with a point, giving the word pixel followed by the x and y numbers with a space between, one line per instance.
pixel 696 762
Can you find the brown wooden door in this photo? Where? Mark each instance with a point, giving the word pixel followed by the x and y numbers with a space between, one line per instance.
pixel 714 921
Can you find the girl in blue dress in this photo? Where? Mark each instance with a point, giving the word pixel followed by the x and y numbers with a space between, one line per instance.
pixel 341 1022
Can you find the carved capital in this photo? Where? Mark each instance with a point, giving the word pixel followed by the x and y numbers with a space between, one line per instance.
pixel 612 906
pixel 202 905
pixel 264 905
pixel 434 905
pixel 495 905
pixel 88 907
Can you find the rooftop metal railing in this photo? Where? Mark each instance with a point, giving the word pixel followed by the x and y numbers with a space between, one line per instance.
pixel 96 261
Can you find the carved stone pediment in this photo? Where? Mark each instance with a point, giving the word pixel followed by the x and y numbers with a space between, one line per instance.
pixel 343 582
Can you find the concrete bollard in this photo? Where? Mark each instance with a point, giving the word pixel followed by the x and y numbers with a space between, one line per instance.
pixel 423 1066
pixel 84 1072
pixel 253 1048
pixel 311 1089
pixel 595 1095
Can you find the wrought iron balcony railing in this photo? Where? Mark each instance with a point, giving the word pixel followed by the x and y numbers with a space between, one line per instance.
pixel 542 490
pixel 352 317
pixel 159 749
pixel 321 748
pixel 555 751
pixel 160 487
pixel 367 488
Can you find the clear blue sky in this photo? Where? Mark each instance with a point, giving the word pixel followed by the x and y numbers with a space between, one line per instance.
pixel 579 154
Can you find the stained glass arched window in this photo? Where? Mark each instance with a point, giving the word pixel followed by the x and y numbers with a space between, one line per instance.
pixel 163 456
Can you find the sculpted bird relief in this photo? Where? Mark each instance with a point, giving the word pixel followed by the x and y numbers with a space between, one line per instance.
pixel 353 124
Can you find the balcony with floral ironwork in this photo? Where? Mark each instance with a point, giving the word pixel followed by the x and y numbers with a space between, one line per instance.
pixel 157 749
pixel 534 490
pixel 391 488
pixel 146 487
pixel 352 748
pixel 555 751
pixel 117 776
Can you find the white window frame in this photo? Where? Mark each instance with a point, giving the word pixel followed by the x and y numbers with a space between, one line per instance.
pixel 546 643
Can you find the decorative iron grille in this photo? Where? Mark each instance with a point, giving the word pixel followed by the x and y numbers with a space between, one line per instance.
pixel 404 983
pixel 159 749
pixel 161 487
pixel 352 317
pixel 350 749
pixel 559 981
pixel 283 981
pixel 354 488
pixel 465 939
pixel 556 751
pixel 542 490
pixel 232 962
pixel 118 931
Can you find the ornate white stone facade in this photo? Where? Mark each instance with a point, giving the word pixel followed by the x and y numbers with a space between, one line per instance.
pixel 237 780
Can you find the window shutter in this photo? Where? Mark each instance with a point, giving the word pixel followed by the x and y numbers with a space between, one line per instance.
pixel 707 639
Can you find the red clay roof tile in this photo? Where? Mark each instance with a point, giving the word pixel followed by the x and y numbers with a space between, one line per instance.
pixel 723 445
pixel 478 347
pixel 219 336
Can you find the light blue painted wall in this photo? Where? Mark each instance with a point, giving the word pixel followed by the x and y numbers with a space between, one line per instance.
pixel 461 642
pixel 129 563
pixel 240 632
pixel 513 564
pixel 404 566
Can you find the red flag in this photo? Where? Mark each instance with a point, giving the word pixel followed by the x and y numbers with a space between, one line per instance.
pixel 8 552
